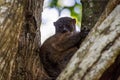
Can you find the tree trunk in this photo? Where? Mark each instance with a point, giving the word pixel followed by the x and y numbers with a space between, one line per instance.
pixel 99 51
pixel 20 40
pixel 11 20
pixel 91 11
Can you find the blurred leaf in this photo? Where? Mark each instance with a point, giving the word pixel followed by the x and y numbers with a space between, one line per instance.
pixel 53 3
pixel 77 15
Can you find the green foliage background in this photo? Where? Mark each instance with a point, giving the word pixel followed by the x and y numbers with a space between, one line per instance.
pixel 77 15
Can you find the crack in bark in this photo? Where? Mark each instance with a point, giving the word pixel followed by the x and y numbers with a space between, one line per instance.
pixel 109 45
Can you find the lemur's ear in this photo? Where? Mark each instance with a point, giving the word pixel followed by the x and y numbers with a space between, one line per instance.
pixel 54 23
pixel 74 20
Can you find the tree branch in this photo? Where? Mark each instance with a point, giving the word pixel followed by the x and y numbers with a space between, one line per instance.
pixel 97 52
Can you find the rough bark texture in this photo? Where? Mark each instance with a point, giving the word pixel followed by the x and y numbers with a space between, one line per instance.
pixel 20 40
pixel 91 11
pixel 113 72
pixel 11 21
pixel 110 6
pixel 98 52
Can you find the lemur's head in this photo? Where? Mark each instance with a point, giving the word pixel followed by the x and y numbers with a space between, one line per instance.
pixel 65 24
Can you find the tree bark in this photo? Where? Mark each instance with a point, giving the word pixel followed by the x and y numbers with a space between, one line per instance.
pixel 91 11
pixel 11 20
pixel 20 40
pixel 98 51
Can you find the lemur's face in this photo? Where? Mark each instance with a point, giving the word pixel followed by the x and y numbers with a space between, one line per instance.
pixel 65 24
